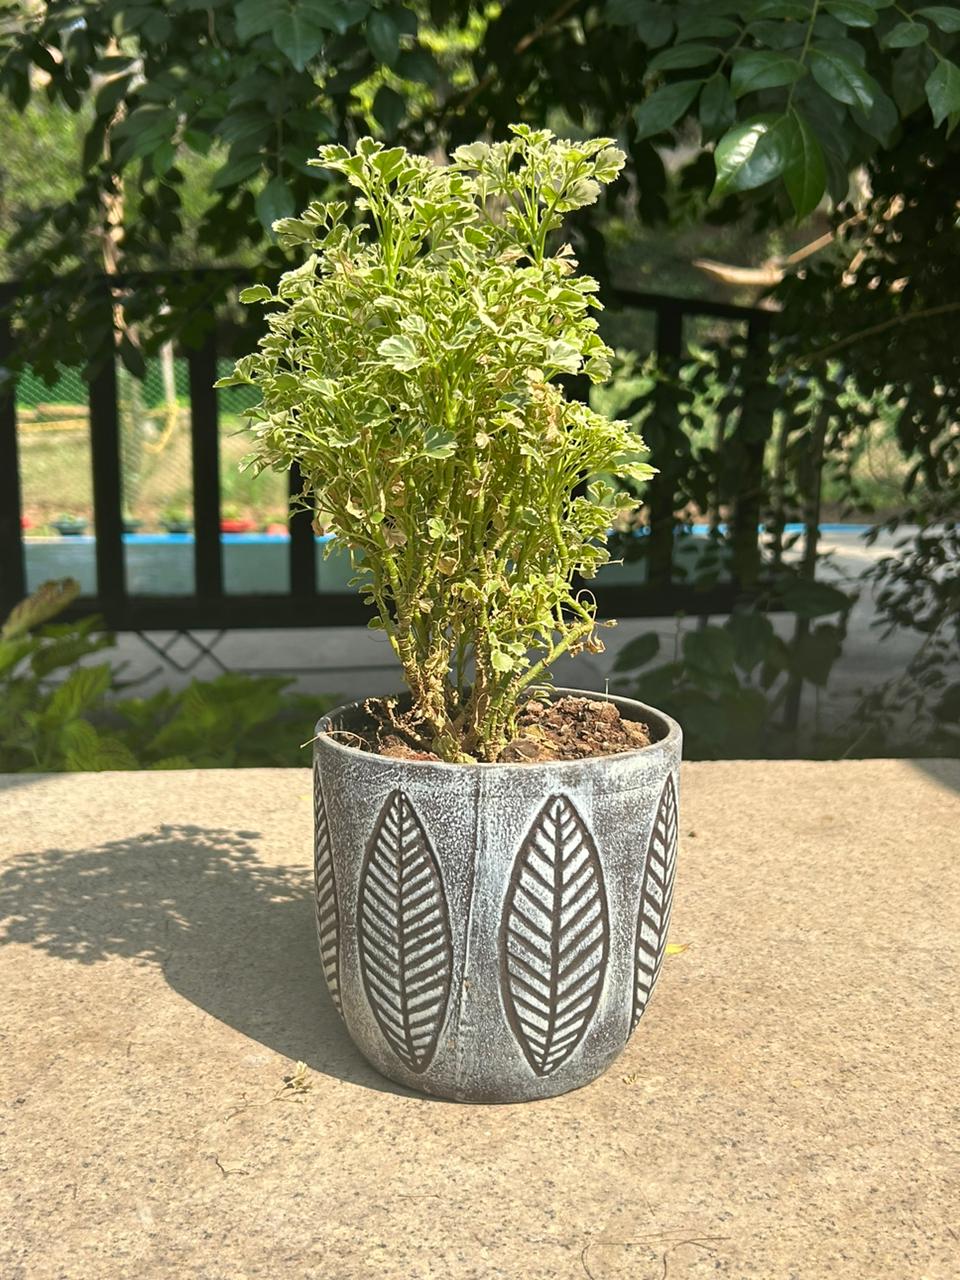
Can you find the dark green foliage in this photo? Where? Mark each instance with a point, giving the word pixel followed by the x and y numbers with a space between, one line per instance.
pixel 797 97
pixel 728 684
pixel 75 724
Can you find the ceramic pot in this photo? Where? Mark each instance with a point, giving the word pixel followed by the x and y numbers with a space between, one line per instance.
pixel 493 932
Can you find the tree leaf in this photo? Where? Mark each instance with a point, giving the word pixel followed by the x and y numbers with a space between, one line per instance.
pixel 813 655
pixel 843 79
pixel 254 17
pixel 656 899
pixel 403 934
pixel 711 649
pixel 682 56
pixel 717 107
pixel 795 9
pixel 236 171
pixel 943 90
pixel 637 652
pixel 753 635
pixel 255 293
pixel 418 65
pixel 274 202
pixel 336 15
pixel 852 13
pixel 763 69
pixel 910 71
pixel 905 35
pixel 554 937
pixel 944 16
pixel 383 37
pixel 694 26
pixel 805 174
pixel 664 107
pixel 296 34
pixel 110 94
pixel 654 21
pixel 881 120
pixel 750 154
pixel 389 108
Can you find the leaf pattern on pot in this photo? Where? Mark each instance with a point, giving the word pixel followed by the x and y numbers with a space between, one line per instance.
pixel 554 937
pixel 656 898
pixel 406 954
pixel 325 891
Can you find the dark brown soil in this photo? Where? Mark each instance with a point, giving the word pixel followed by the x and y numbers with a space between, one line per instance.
pixel 565 728
pixel 572 729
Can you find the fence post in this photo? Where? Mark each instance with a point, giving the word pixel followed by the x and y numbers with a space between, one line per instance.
pixel 13 578
pixel 205 460
pixel 663 425
pixel 753 431
pixel 303 547
pixel 105 452
pixel 813 493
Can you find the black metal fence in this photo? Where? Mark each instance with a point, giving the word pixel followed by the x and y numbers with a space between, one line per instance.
pixel 210 606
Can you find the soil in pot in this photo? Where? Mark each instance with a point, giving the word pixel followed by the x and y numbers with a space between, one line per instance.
pixel 566 728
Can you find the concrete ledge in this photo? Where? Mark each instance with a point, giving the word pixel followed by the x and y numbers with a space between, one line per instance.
pixel 787 1108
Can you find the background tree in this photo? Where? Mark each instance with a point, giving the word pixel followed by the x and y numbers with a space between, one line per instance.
pixel 734 115
pixel 789 96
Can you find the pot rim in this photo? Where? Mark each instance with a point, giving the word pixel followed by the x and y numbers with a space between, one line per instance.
pixel 672 738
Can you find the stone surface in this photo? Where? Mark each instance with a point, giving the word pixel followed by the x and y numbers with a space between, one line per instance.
pixel 787 1108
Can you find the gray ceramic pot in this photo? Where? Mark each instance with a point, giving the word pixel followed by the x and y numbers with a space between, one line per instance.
pixel 492 933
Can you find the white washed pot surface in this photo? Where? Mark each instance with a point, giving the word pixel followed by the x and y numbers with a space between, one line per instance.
pixel 442 978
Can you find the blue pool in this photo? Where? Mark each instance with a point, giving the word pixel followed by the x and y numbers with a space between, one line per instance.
pixel 257 563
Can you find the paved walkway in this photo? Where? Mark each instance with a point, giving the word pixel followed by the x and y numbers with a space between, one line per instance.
pixel 786 1111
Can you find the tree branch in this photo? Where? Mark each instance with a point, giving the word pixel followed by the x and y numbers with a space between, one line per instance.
pixel 908 316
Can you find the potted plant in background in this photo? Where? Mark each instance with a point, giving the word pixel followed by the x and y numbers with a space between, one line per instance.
pixel 175 520
pixel 70 526
pixel 494 859
pixel 233 520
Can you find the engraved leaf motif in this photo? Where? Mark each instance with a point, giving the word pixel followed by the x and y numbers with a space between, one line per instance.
pixel 325 889
pixel 656 898
pixel 406 954
pixel 554 937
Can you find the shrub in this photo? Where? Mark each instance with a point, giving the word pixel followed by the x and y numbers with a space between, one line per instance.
pixel 58 714
pixel 412 367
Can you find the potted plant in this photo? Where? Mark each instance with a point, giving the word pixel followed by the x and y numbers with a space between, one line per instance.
pixel 233 520
pixel 493 859
pixel 176 521
pixel 70 526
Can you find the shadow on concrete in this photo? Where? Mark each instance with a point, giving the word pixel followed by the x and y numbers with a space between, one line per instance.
pixel 944 769
pixel 232 935
pixel 10 781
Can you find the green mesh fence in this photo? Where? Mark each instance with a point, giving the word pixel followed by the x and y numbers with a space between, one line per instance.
pixel 154 413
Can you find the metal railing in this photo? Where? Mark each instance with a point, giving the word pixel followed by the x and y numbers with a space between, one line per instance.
pixel 210 606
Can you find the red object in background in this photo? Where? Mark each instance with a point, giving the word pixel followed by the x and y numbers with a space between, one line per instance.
pixel 277 528
pixel 25 522
pixel 237 526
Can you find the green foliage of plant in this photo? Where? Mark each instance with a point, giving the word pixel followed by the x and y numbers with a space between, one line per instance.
pixel 728 684
pixel 78 723
pixel 412 372
pixel 795 94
